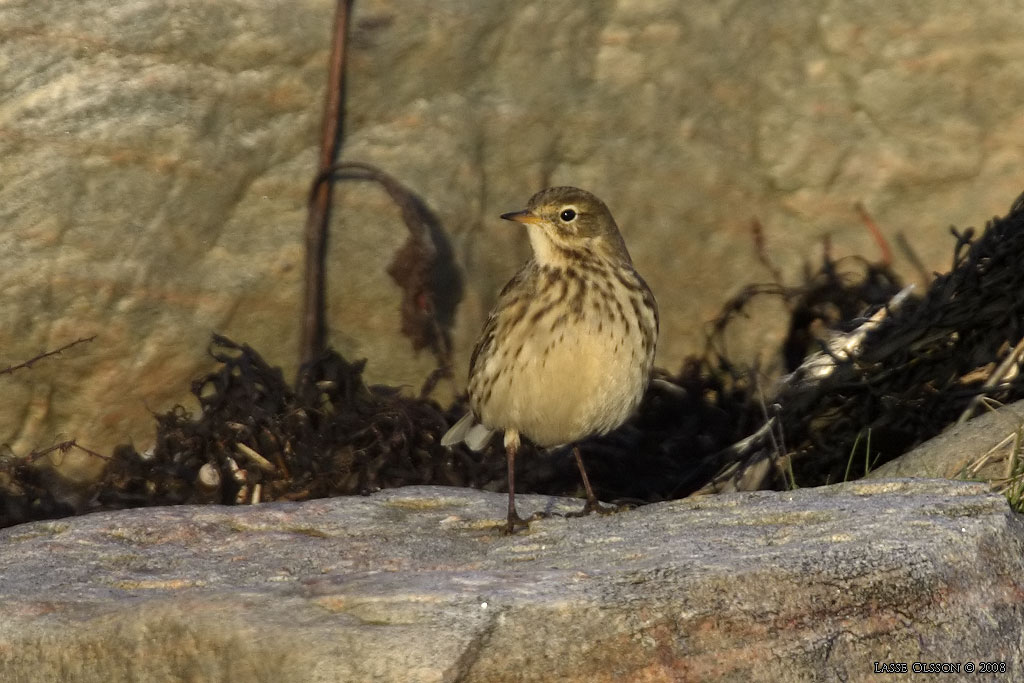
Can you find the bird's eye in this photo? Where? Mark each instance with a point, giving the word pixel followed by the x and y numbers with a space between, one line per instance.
pixel 567 215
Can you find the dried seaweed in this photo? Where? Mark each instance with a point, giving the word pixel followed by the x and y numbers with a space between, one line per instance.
pixel 914 374
pixel 29 492
pixel 265 441
pixel 424 268
pixel 917 369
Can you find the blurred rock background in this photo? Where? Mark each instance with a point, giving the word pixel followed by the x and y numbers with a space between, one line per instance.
pixel 155 159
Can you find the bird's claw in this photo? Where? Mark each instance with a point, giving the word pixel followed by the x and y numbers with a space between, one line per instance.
pixel 514 521
pixel 594 506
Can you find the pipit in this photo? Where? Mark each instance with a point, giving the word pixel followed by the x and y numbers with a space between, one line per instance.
pixel 567 351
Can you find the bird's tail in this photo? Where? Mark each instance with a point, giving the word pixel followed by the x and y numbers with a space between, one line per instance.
pixel 474 434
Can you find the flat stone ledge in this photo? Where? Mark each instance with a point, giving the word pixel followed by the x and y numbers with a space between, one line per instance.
pixel 417 584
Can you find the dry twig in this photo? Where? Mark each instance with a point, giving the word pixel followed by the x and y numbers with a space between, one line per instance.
pixel 9 370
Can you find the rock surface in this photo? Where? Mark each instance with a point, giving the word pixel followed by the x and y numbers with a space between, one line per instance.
pixel 417 584
pixel 155 157
pixel 978 449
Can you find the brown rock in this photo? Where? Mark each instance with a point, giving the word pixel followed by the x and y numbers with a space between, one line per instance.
pixel 155 160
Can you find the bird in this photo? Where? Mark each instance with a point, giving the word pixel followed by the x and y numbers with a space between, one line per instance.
pixel 566 353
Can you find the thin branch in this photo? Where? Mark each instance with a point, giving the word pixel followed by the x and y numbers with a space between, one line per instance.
pixel 64 447
pixel 761 249
pixel 56 352
pixel 876 233
pixel 1007 369
pixel 413 264
pixel 904 246
pixel 313 310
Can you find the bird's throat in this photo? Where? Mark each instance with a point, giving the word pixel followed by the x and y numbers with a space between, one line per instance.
pixel 547 252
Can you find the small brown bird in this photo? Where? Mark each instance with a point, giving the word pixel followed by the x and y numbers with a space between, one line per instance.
pixel 567 351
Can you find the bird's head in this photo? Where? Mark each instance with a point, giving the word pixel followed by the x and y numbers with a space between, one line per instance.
pixel 566 223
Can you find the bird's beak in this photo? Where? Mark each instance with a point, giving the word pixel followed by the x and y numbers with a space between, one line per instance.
pixel 525 216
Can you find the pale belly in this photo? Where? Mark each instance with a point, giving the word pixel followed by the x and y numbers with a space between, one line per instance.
pixel 580 380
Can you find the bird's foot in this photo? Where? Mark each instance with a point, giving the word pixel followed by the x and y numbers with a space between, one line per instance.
pixel 514 521
pixel 594 505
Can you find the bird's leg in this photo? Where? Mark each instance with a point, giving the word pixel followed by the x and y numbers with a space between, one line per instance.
pixel 593 505
pixel 511 446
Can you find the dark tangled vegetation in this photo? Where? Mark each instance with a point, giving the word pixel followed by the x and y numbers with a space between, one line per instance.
pixel 255 437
